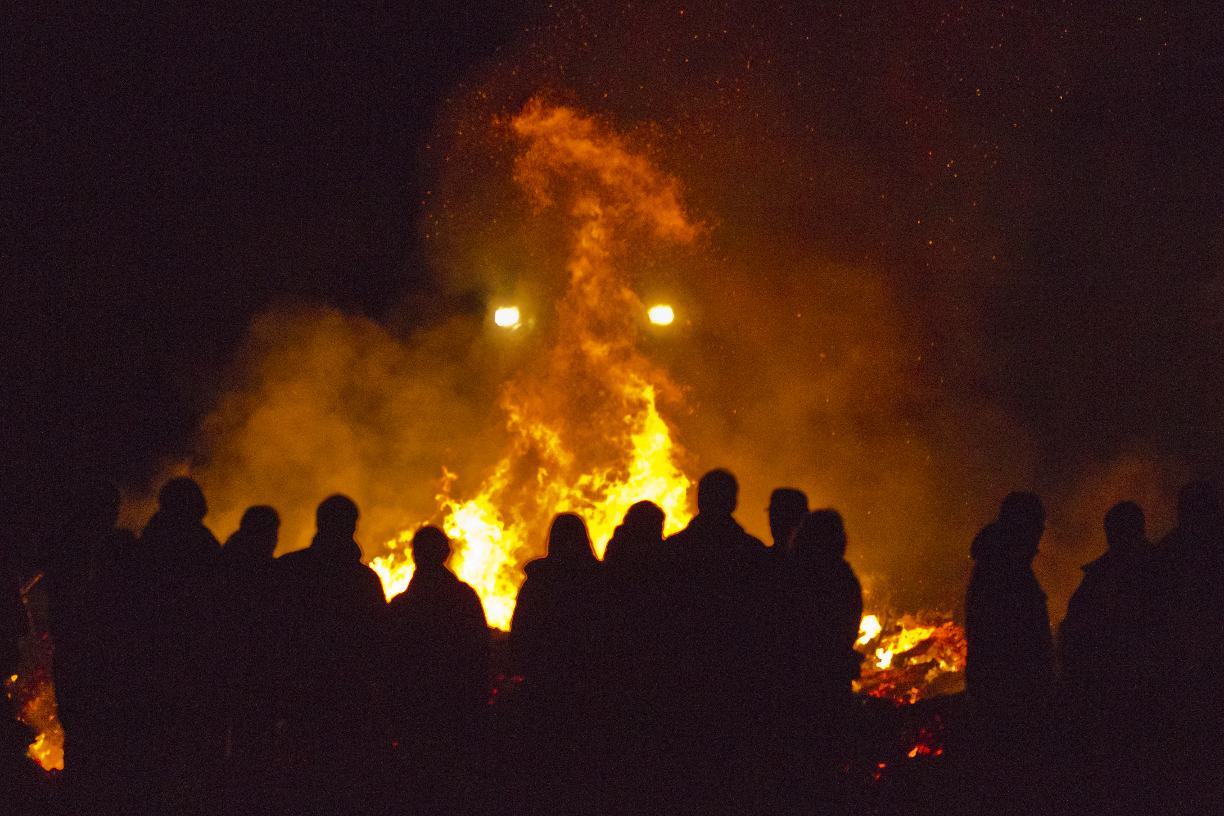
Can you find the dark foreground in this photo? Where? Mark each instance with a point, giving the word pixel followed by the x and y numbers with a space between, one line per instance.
pixel 904 760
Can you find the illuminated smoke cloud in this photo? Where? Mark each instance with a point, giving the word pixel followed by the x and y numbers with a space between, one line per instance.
pixel 836 322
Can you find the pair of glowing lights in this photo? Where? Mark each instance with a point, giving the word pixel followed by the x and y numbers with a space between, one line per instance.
pixel 508 317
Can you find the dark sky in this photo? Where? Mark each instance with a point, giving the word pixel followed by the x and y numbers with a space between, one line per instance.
pixel 167 177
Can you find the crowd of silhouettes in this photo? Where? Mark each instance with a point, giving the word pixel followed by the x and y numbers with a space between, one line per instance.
pixel 701 673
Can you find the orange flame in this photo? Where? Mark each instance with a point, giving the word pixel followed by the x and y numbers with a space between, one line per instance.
pixel 40 714
pixel 31 691
pixel 585 430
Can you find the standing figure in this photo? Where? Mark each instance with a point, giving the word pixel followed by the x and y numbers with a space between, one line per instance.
pixel 556 646
pixel 819 610
pixel 1194 557
pixel 333 607
pixel 1112 646
pixel 178 569
pixel 719 690
pixel 117 773
pixel 1009 671
pixel 251 637
pixel 636 660
pixel 633 561
pixel 437 678
pixel 1010 662
pixel 69 582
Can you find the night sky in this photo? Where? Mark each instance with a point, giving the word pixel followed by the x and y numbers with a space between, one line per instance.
pixel 1042 191
pixel 167 177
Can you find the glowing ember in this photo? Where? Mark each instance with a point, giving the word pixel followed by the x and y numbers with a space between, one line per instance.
pixel 661 315
pixel 927 739
pixel 507 317
pixel 585 430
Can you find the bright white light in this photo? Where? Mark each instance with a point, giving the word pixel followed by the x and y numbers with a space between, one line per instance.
pixel 507 317
pixel 661 315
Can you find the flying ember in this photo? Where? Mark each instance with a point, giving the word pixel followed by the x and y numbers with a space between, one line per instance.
pixel 586 432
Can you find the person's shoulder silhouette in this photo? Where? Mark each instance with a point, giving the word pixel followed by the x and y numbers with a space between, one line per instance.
pixel 435 596
pixel 1010 659
pixel 637 543
pixel 175 537
pixel 714 542
pixel 329 573
pixel 823 601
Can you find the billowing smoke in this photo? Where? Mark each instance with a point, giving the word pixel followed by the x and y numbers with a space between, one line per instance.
pixel 324 402
pixel 841 323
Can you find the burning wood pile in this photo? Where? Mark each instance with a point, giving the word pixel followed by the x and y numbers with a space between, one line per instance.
pixel 911 658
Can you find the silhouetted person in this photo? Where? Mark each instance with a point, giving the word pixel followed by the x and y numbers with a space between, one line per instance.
pixel 1194 553
pixel 633 562
pixel 1112 646
pixel 820 607
pixel 1010 662
pixel 249 586
pixel 71 585
pixel 1195 550
pixel 787 510
pixel 1009 670
pixel 635 548
pixel 179 557
pixel 636 659
pixel 117 773
pixel 333 607
pixel 720 694
pixel 438 676
pixel 1107 642
pixel 556 647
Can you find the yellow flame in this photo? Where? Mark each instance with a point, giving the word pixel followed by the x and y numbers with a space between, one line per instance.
pixel 868 629
pixel 395 571
pixel 910 637
pixel 586 434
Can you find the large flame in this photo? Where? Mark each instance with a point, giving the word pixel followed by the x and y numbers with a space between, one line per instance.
pixel 584 423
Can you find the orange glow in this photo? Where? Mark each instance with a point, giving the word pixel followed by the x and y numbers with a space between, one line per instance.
pixel 35 697
pixel 586 433
pixel 31 691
